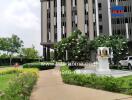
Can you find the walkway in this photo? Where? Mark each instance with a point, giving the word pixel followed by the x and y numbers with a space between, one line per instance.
pixel 51 87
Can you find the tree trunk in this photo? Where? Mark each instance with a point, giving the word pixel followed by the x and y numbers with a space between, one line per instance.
pixel 11 59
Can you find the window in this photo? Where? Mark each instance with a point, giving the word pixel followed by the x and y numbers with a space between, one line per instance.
pixel 74 3
pixel 100 17
pixel 126 20
pixel 130 58
pixel 100 6
pixel 101 28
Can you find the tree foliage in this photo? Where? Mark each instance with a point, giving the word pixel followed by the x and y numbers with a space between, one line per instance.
pixel 117 43
pixel 76 46
pixel 11 44
pixel 15 44
pixel 30 53
pixel 79 46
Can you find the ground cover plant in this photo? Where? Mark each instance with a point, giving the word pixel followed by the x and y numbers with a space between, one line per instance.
pixel 17 84
pixel 120 85
pixel 4 80
pixel 40 65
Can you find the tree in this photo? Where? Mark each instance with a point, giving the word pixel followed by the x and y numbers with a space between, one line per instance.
pixel 76 45
pixel 117 43
pixel 11 45
pixel 5 44
pixel 30 53
pixel 15 44
pixel 79 47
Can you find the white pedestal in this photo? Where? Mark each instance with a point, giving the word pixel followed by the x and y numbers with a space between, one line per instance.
pixel 103 66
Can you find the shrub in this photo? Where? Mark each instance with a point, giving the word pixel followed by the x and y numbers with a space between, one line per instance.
pixel 21 86
pixel 6 61
pixel 18 70
pixel 121 85
pixel 10 71
pixel 40 65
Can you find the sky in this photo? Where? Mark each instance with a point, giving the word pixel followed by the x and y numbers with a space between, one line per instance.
pixel 21 17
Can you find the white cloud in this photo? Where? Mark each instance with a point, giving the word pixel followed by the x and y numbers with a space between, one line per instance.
pixel 22 17
pixel 20 13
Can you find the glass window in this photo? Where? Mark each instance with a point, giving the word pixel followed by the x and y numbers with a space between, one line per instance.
pixel 99 6
pixel 130 58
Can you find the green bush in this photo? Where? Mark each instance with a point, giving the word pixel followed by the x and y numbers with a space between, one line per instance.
pixel 40 65
pixel 6 61
pixel 21 86
pixel 121 85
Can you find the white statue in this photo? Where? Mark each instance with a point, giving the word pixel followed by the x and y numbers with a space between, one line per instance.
pixel 103 63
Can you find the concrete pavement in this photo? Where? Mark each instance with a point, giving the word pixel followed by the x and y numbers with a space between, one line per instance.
pixel 51 87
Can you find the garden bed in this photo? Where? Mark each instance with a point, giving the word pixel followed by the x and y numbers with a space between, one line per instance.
pixel 17 84
pixel 120 85
pixel 40 65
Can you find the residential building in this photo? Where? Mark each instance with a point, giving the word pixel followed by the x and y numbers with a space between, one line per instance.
pixel 92 17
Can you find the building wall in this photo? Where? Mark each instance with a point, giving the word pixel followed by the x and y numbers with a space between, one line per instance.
pixel 91 20
pixel 68 17
pixel 103 10
pixel 52 20
pixel 84 15
pixel 81 15
pixel 43 22
pixel 72 17
pixel 119 23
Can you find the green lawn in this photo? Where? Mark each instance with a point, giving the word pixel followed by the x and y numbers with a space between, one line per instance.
pixel 4 80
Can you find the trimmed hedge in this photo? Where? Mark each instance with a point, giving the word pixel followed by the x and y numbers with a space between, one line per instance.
pixel 121 85
pixel 21 86
pixel 40 65
pixel 6 61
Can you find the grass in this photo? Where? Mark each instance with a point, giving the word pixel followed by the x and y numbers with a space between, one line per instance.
pixel 17 83
pixel 4 80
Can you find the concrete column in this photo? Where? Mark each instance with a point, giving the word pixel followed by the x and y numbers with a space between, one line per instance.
pixel 68 17
pixel 43 21
pixel 90 19
pixel 97 17
pixel 52 20
pixel 48 53
pixel 81 15
pixel 59 36
pixel 127 31
pixel 109 17
pixel 44 53
pixel 55 54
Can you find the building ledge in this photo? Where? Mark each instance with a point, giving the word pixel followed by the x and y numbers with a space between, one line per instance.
pixel 47 43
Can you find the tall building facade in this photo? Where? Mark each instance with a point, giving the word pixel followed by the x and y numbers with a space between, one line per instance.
pixel 122 25
pixel 92 17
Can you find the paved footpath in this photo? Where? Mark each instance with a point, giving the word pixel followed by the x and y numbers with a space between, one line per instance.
pixel 51 87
